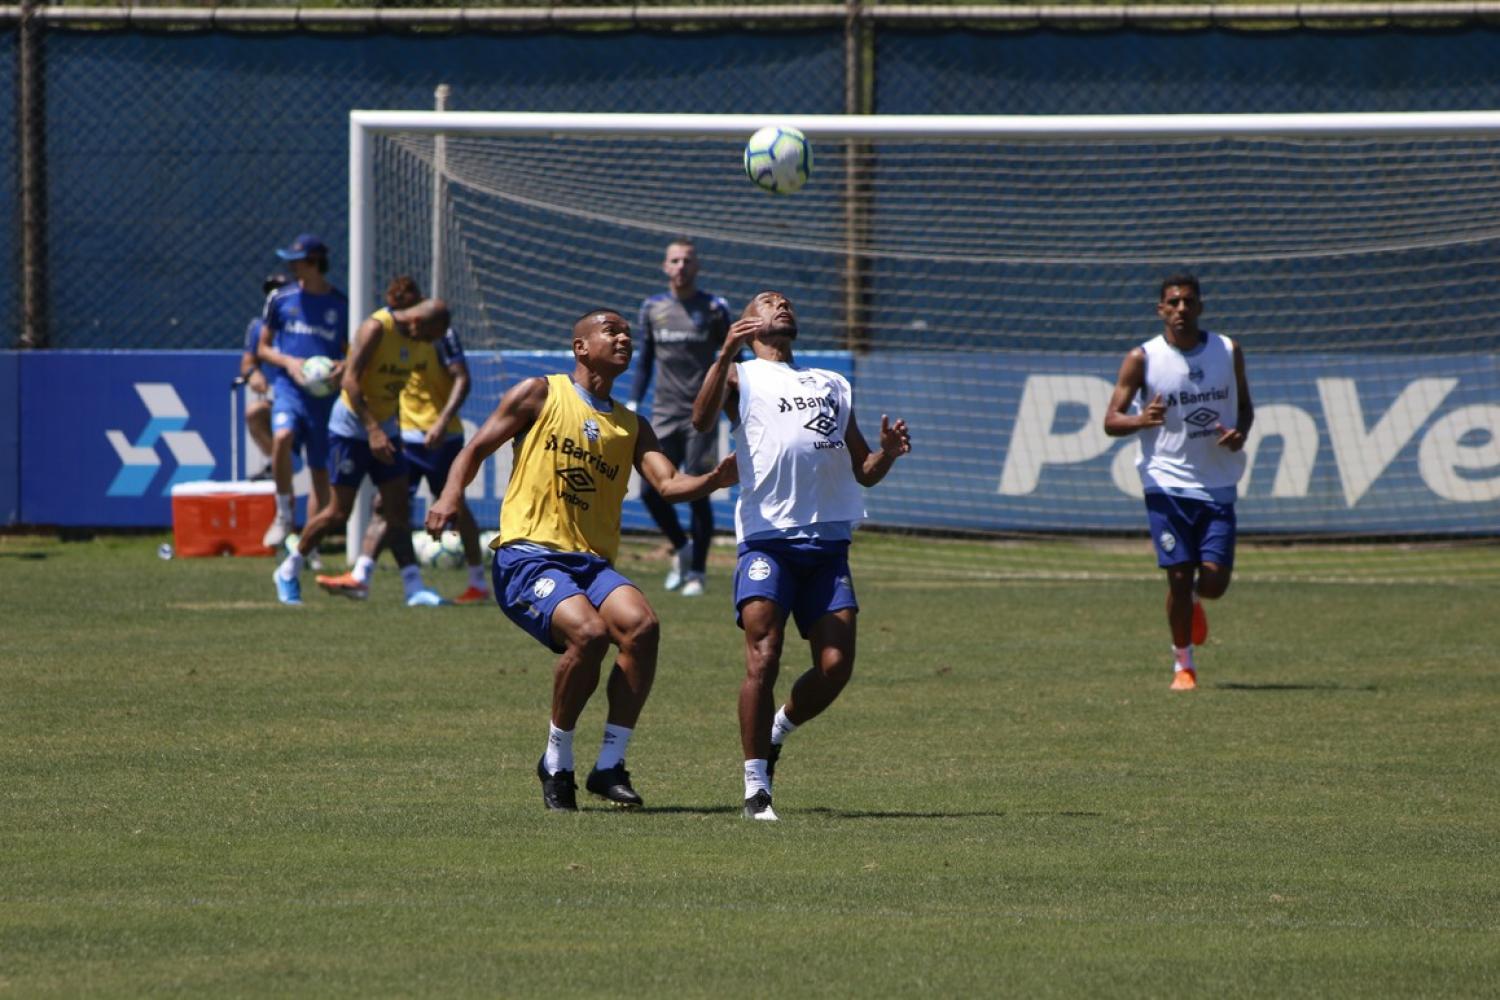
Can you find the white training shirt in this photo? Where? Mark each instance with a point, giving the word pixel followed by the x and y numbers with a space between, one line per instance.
pixel 789 438
pixel 1182 457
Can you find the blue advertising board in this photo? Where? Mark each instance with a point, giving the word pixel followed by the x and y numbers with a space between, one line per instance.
pixel 10 438
pixel 1005 441
pixel 1342 443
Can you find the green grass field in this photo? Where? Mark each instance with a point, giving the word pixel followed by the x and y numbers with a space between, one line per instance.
pixel 206 794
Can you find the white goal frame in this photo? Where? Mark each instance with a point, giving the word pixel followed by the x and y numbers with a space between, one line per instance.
pixel 365 125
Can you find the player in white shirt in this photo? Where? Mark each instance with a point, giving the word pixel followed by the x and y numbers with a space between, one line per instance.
pixel 1185 392
pixel 802 461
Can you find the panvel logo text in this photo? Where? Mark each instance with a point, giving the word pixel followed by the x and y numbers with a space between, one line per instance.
pixel 1457 446
pixel 140 461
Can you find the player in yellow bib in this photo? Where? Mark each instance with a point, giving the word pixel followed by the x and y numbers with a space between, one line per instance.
pixel 431 437
pixel 363 438
pixel 559 533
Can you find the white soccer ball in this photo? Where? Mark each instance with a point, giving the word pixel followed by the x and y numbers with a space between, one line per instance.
pixel 438 553
pixel 315 372
pixel 778 159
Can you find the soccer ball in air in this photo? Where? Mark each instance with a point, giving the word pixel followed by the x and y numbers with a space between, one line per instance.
pixel 778 159
pixel 315 372
pixel 438 553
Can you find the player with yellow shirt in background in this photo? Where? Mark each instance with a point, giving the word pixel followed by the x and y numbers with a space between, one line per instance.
pixel 364 438
pixel 432 435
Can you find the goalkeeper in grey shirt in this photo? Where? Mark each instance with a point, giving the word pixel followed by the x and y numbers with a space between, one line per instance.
pixel 681 331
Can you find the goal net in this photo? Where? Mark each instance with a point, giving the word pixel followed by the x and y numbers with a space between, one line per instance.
pixel 984 277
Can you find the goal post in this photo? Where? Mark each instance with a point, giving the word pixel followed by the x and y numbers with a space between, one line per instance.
pixel 993 272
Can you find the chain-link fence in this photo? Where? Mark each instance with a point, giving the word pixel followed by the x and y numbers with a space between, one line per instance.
pixel 177 160
pixel 177 163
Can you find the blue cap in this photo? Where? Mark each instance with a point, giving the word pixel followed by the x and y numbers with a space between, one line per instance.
pixel 304 246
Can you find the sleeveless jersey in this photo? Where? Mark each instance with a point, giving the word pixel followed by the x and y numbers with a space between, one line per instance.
pixel 1201 393
pixel 386 373
pixel 794 464
pixel 428 390
pixel 305 325
pixel 569 474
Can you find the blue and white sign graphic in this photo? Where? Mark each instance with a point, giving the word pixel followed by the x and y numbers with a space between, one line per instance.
pixel 139 460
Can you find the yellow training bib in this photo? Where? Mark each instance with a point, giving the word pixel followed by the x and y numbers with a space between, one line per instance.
pixel 569 476
pixel 395 358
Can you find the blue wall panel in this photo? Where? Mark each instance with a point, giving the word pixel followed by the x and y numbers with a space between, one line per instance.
pixel 1342 443
pixel 10 438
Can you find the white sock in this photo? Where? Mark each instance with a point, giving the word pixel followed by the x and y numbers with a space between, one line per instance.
pixel 612 750
pixel 284 503
pixel 364 568
pixel 755 778
pixel 1183 655
pixel 559 755
pixel 411 579
pixel 477 577
pixel 781 727
pixel 291 566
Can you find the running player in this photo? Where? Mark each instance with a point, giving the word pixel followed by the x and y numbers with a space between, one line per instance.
pixel 803 461
pixel 431 437
pixel 559 533
pixel 303 319
pixel 1185 392
pixel 364 439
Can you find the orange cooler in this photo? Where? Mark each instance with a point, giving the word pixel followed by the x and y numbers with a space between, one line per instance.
pixel 211 519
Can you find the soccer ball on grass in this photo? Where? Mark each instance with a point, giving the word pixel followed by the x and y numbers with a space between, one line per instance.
pixel 778 159
pixel 438 553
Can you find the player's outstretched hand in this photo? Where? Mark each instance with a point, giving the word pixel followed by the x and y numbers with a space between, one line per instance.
pixel 895 439
pixel 1229 438
pixel 1155 413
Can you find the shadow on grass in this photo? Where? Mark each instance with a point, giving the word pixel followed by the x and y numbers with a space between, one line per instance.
pixel 23 555
pixel 824 811
pixel 917 814
pixel 1231 686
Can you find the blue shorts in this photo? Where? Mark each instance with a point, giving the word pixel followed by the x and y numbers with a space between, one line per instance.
pixel 431 464
pixel 1190 531
pixel 806 578
pixel 307 419
pixel 530 584
pixel 350 460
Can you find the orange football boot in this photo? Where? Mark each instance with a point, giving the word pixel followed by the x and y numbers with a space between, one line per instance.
pixel 344 585
pixel 1200 624
pixel 1185 680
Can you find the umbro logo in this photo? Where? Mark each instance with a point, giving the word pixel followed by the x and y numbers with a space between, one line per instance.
pixel 577 478
pixel 823 424
pixel 1202 417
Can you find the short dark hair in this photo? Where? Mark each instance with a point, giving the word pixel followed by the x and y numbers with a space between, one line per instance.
pixel 1182 278
pixel 682 241
pixel 597 311
pixel 403 292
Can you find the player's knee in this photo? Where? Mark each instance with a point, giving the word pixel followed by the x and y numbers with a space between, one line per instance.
pixel 1212 586
pixel 836 666
pixel 642 632
pixel 589 638
pixel 763 660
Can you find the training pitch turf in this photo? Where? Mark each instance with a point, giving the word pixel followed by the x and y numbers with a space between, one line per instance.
pixel 206 794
